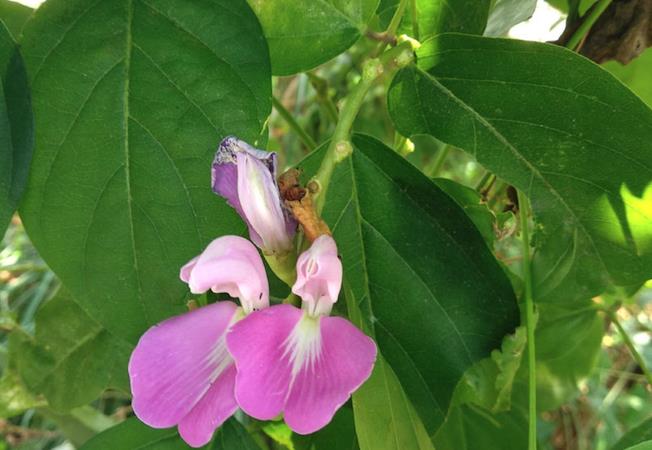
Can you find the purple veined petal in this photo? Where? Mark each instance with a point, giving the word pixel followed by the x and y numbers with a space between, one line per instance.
pixel 198 426
pixel 178 362
pixel 319 276
pixel 257 344
pixel 230 264
pixel 225 183
pixel 246 178
pixel 261 202
pixel 329 375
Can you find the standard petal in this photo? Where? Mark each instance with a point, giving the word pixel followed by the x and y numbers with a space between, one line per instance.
pixel 319 275
pixel 257 344
pixel 224 180
pixel 176 362
pixel 261 202
pixel 230 264
pixel 345 361
pixel 211 411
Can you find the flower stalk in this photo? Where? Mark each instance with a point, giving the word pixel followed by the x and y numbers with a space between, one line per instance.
pixel 340 146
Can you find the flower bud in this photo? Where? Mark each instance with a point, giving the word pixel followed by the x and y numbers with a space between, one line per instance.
pixel 246 178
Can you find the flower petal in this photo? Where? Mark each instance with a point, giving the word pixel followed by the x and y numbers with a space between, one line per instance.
pixel 211 411
pixel 230 264
pixel 261 202
pixel 246 178
pixel 319 275
pixel 176 362
pixel 345 361
pixel 257 344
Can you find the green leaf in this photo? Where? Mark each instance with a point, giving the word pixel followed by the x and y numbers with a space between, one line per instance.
pixel 471 427
pixel 507 13
pixel 16 127
pixel 72 358
pixel 489 382
pixel 131 98
pixel 303 34
pixel 339 434
pixel 556 126
pixel 425 281
pixel 471 202
pixel 133 434
pixel 15 397
pixel 14 15
pixel 636 75
pixel 439 16
pixel 640 435
pixel 384 416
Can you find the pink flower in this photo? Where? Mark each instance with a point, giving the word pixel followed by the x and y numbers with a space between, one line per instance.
pixel 181 371
pixel 246 178
pixel 301 362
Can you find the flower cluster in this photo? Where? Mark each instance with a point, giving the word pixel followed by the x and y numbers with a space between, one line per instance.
pixel 196 369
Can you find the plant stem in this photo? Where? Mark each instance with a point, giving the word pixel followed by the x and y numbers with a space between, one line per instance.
pixel 435 165
pixel 630 345
pixel 340 146
pixel 483 181
pixel 393 25
pixel 529 322
pixel 586 25
pixel 305 137
pixel 414 17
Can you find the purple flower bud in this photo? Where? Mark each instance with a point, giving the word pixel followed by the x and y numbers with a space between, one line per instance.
pixel 319 276
pixel 246 178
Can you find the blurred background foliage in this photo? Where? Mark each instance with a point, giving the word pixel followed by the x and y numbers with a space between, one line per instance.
pixel 591 390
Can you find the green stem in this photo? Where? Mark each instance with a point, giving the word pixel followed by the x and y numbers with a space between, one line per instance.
pixel 630 345
pixel 340 146
pixel 435 165
pixel 414 17
pixel 483 181
pixel 529 319
pixel 303 135
pixel 586 25
pixel 393 25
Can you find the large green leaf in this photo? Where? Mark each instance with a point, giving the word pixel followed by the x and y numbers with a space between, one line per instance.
pixel 507 13
pixel 556 126
pixel 439 16
pixel 131 98
pixel 384 416
pixel 133 434
pixel 16 127
pixel 636 75
pixel 14 15
pixel 471 427
pixel 303 34
pixel 72 358
pixel 640 435
pixel 425 281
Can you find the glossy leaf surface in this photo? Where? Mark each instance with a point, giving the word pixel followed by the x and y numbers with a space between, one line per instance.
pixel 131 98
pixel 303 34
pixel 556 126
pixel 422 276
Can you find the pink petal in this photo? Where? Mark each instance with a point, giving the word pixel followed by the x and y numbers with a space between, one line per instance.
pixel 257 346
pixel 261 202
pixel 176 362
pixel 211 411
pixel 319 275
pixel 345 362
pixel 302 365
pixel 230 264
